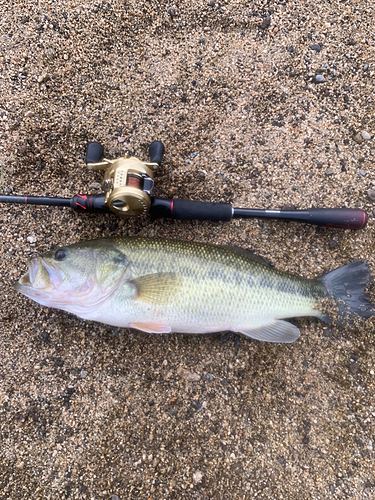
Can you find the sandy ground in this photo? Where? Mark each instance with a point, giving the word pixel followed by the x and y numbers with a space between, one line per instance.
pixel 90 413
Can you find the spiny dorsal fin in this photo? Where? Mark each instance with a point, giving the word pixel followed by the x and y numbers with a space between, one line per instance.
pixel 253 256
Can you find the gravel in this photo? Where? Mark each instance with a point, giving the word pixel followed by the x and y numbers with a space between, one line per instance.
pixel 234 81
pixel 365 136
pixel 319 79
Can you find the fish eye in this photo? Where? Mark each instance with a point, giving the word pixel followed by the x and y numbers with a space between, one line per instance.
pixel 60 254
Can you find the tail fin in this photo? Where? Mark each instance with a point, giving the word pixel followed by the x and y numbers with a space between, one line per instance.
pixel 347 285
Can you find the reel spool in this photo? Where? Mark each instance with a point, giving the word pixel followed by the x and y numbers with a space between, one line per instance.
pixel 127 182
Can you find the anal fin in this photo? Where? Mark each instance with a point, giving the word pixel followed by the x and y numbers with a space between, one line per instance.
pixel 152 327
pixel 276 331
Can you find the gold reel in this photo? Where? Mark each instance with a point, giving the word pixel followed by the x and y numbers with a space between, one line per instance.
pixel 127 185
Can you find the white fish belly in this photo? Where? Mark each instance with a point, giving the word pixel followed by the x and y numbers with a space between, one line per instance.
pixel 200 308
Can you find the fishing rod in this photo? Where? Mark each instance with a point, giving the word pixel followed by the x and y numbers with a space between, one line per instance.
pixel 127 188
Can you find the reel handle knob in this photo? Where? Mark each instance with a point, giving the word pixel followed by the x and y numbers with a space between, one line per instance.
pixel 94 153
pixel 156 151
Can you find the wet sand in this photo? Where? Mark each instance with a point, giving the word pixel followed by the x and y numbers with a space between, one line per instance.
pixel 88 412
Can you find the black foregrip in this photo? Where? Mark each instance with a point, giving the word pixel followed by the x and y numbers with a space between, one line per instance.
pixel 94 153
pixel 200 210
pixel 156 151
pixel 349 218
pixel 190 210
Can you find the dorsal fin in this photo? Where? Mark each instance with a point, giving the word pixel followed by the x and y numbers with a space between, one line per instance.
pixel 253 256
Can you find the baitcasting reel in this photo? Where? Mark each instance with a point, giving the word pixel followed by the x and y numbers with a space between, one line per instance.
pixel 127 182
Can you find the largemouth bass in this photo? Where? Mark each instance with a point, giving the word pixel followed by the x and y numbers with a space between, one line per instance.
pixel 163 286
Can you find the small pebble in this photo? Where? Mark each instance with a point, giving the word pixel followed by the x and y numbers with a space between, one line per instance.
pixel 330 171
pixel 316 47
pixel 197 405
pixel 44 336
pixel 358 138
pixel 332 244
pixel 365 135
pixel 371 194
pixel 197 477
pixel 31 239
pixel 319 79
pixel 266 23
pixel 354 367
pixel 83 374
pixel 43 78
pixel 171 11
pixel 187 375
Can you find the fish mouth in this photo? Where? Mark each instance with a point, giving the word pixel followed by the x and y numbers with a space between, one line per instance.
pixel 40 275
pixel 29 277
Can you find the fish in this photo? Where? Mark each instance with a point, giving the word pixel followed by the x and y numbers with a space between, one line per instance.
pixel 162 286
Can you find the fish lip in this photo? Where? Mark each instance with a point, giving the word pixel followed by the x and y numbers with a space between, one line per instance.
pixel 56 276
pixel 33 268
pixel 29 276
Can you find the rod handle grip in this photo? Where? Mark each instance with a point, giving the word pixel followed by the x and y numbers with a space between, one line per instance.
pixel 190 210
pixel 345 218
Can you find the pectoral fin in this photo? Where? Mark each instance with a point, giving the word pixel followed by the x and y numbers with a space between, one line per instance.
pixel 276 331
pixel 151 327
pixel 155 288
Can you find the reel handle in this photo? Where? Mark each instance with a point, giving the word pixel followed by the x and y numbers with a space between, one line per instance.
pixel 94 153
pixel 156 151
